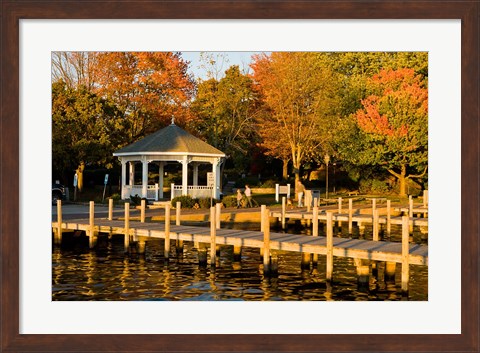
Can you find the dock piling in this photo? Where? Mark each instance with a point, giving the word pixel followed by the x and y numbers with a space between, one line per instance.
pixel 284 210
pixel 167 231
pixel 126 242
pixel 389 216
pixel 405 254
pixel 110 209
pixel 329 272
pixel 266 241
pixel 91 231
pixel 213 234
pixel 350 215
pixel 178 210
pixel 58 234
pixel 218 212
pixel 142 211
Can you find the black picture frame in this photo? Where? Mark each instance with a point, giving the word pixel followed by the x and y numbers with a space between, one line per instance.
pixel 13 11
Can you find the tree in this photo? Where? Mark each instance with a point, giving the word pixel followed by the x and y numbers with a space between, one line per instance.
pixel 86 130
pixel 74 68
pixel 298 94
pixel 393 125
pixel 148 87
pixel 225 112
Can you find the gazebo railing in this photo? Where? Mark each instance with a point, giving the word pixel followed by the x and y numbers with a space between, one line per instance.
pixel 132 190
pixel 195 191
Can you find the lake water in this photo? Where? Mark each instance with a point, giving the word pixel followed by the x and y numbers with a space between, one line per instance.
pixel 107 274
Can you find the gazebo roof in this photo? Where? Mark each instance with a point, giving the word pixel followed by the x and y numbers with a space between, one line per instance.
pixel 170 140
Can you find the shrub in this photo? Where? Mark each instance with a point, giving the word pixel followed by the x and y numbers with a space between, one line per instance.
pixel 185 200
pixel 115 197
pixel 136 200
pixel 230 201
pixel 270 183
pixel 373 186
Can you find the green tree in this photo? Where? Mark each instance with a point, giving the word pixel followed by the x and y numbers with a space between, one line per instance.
pixel 86 129
pixel 225 112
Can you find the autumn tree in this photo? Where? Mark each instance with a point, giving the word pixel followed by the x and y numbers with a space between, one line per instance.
pixel 393 126
pixel 298 94
pixel 86 130
pixel 148 87
pixel 225 111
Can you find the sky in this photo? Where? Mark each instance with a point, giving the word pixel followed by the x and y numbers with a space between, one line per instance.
pixel 242 59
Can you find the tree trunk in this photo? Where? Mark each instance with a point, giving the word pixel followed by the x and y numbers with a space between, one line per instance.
pixel 402 178
pixel 285 169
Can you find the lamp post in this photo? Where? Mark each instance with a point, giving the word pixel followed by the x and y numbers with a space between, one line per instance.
pixel 327 160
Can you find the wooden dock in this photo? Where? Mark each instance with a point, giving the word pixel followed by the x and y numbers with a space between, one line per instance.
pixel 361 214
pixel 139 232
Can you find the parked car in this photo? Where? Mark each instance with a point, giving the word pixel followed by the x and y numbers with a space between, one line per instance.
pixel 58 193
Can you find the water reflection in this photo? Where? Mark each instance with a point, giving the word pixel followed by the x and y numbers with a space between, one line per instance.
pixel 107 274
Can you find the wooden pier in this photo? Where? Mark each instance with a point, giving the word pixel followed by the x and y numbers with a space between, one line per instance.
pixel 139 232
pixel 375 214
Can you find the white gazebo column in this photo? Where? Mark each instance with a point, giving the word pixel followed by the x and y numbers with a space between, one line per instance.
pixel 216 174
pixel 195 174
pixel 161 172
pixel 132 174
pixel 124 178
pixel 144 177
pixel 184 176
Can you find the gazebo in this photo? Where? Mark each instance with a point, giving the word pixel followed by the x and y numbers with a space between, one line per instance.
pixel 170 144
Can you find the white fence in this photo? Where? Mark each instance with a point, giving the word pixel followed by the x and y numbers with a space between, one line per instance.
pixel 195 191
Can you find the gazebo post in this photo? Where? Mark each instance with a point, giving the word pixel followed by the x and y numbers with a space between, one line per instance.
pixel 216 174
pixel 144 176
pixel 195 174
pixel 160 178
pixel 124 177
pixel 184 175
pixel 132 174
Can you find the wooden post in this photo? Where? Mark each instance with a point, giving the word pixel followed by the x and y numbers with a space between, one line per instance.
pixel 213 234
pixel 166 252
pixel 410 211
pixel 91 240
pixel 126 242
pixel 263 208
pixel 315 221
pixel 284 210
pixel 405 254
pixel 339 223
pixel 329 272
pixel 110 209
pixel 237 253
pixel 266 242
pixel 58 235
pixel 178 209
pixel 218 209
pixel 142 211
pixel 350 215
pixel 390 268
pixel 425 198
pixel 375 225
pixel 141 246
pixel 389 217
